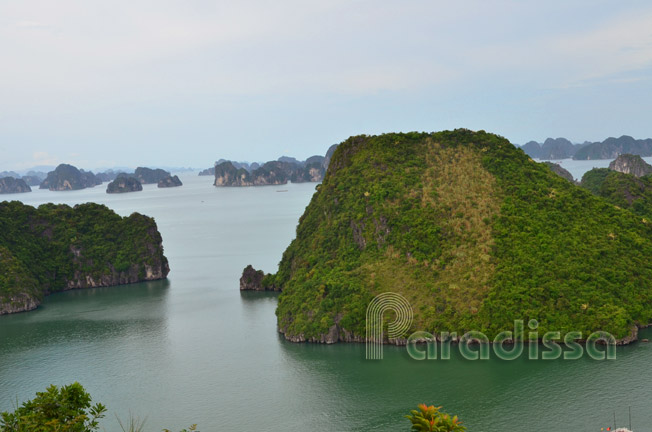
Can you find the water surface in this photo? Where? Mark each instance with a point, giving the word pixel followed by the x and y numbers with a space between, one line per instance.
pixel 193 349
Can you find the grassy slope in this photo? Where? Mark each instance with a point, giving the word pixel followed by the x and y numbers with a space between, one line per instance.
pixel 471 231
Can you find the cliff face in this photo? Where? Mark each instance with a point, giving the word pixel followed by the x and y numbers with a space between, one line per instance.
pixel 67 177
pixel 471 232
pixel 11 185
pixel 631 164
pixel 170 181
pixel 56 248
pixel 123 185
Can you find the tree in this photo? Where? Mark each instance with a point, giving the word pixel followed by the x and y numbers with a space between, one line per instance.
pixel 65 409
pixel 431 419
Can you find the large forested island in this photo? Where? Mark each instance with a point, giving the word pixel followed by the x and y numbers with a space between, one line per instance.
pixel 56 247
pixel 472 232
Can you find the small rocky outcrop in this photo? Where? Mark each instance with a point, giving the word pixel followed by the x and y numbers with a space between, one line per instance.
pixel 560 171
pixel 123 185
pixel 252 279
pixel 631 164
pixel 67 177
pixel 170 181
pixel 256 280
pixel 9 185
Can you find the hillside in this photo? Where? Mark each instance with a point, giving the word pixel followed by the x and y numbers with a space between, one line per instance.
pixel 56 247
pixel 471 231
pixel 621 189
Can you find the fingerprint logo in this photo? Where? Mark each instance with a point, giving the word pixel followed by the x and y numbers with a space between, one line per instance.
pixel 377 307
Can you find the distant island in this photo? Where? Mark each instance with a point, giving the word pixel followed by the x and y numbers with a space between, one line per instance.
pixel 124 184
pixel 561 148
pixel 56 248
pixel 285 169
pixel 10 185
pixel 472 232
pixel 170 181
pixel 67 177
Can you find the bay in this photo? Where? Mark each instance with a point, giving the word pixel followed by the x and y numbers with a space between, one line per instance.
pixel 193 349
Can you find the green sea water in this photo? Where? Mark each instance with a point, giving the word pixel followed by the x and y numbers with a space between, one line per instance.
pixel 194 349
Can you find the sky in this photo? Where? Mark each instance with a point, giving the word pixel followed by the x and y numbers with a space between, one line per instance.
pixel 184 83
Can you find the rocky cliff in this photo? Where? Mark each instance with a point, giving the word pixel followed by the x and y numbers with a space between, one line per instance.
pixel 560 171
pixel 10 185
pixel 124 184
pixel 170 181
pixel 631 164
pixel 67 177
pixel 55 247
pixel 472 232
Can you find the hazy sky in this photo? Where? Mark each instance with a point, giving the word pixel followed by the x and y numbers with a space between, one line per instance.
pixel 183 83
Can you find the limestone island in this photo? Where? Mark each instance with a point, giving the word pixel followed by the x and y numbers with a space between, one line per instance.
pixel 473 233
pixel 170 181
pixel 124 184
pixel 67 177
pixel 55 248
pixel 631 164
pixel 10 185
pixel 285 169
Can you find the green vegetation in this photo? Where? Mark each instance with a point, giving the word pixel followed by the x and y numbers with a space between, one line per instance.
pixel 623 190
pixel 65 409
pixel 55 247
pixel 472 232
pixel 431 419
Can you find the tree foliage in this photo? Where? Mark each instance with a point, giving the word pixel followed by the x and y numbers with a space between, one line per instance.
pixel 57 409
pixel 432 419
